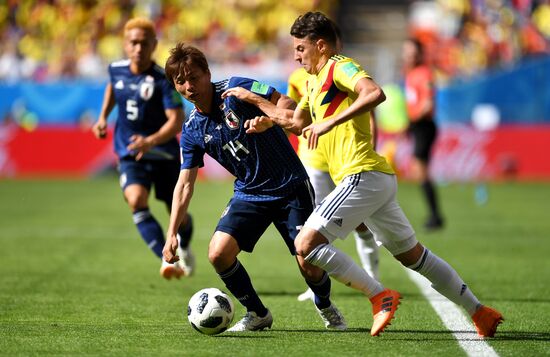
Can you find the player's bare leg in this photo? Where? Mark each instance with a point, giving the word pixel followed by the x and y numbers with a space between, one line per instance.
pixel 448 283
pixel 316 249
pixel 222 254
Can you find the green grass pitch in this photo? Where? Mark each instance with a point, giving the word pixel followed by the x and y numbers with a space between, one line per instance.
pixel 76 279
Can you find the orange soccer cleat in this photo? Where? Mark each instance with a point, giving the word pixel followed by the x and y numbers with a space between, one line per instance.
pixel 486 321
pixel 384 306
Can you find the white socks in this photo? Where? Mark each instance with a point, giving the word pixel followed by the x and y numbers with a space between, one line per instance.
pixel 446 280
pixel 342 268
pixel 367 249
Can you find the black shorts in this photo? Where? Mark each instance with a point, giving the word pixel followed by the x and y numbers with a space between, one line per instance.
pixel 162 174
pixel 246 221
pixel 424 133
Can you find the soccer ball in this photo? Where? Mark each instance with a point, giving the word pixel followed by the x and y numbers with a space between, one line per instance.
pixel 210 311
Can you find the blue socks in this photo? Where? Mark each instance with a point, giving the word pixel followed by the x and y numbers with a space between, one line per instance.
pixel 321 289
pixel 237 281
pixel 186 231
pixel 150 230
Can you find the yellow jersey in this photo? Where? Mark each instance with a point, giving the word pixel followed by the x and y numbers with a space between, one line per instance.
pixel 347 147
pixel 296 90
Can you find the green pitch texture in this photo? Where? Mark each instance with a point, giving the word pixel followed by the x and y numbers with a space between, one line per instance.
pixel 76 279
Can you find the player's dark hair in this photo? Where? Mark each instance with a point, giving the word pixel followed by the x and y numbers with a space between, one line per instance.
pixel 182 56
pixel 315 26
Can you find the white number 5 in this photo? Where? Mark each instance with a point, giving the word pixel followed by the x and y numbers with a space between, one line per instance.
pixel 131 109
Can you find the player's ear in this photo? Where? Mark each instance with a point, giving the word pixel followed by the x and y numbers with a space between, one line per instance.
pixel 321 45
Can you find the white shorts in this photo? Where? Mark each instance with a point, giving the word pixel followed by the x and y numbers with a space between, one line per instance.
pixel 370 198
pixel 322 183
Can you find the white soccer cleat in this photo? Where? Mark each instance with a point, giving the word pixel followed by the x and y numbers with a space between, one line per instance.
pixel 169 271
pixel 333 319
pixel 306 295
pixel 252 322
pixel 187 260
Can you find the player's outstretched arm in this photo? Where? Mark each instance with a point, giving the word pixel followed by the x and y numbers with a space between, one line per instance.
pixel 180 204
pixel 279 108
pixel 100 127
pixel 369 95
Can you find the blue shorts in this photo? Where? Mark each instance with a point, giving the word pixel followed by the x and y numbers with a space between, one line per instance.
pixel 246 221
pixel 162 174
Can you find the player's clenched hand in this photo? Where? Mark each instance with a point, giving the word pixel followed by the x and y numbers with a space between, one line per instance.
pixel 170 247
pixel 140 145
pixel 258 125
pixel 100 128
pixel 313 131
pixel 239 93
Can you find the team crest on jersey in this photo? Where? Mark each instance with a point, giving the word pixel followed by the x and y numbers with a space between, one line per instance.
pixel 147 88
pixel 225 211
pixel 231 120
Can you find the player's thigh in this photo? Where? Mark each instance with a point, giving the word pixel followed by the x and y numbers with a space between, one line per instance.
pixel 391 227
pixel 246 221
pixel 291 213
pixel 134 172
pixel 322 183
pixel 222 250
pixel 165 176
pixel 135 182
pixel 356 198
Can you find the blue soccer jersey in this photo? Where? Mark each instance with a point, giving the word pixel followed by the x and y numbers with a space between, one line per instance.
pixel 141 100
pixel 265 165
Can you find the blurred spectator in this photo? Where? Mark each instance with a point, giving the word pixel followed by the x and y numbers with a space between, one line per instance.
pixel 541 17
pixel 479 35
pixel 51 39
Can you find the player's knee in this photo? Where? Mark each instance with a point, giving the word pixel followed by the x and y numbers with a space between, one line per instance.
pixel 135 197
pixel 222 251
pixel 216 257
pixel 307 240
pixel 300 245
pixel 310 272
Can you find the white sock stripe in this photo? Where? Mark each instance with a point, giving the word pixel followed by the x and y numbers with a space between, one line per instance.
pixel 140 216
pixel 311 256
pixel 232 271
pixel 453 318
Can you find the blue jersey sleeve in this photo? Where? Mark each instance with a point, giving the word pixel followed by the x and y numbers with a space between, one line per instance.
pixel 191 153
pixel 254 86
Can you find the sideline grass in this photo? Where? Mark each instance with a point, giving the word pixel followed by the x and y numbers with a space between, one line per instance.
pixel 75 278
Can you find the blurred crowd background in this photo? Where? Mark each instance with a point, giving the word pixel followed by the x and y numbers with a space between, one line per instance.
pixel 44 40
pixel 491 59
pixel 51 39
pixel 466 37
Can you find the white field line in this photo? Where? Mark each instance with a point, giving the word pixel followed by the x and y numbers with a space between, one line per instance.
pixel 454 319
